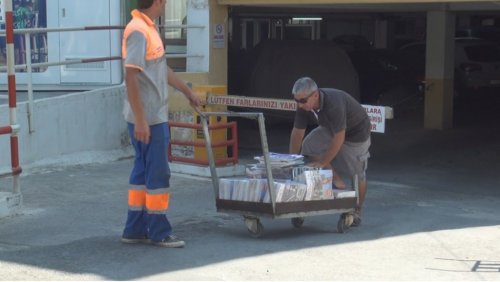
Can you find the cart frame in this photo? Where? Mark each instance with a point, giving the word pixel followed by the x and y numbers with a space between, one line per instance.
pixel 251 211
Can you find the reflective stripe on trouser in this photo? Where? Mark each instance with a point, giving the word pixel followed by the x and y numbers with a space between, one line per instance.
pixel 148 198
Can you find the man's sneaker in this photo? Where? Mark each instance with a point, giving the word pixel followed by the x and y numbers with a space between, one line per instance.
pixel 170 242
pixel 137 240
pixel 356 218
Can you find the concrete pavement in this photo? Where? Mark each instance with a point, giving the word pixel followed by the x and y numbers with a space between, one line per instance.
pixel 432 213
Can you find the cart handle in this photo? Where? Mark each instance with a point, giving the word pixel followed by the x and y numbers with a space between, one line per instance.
pixel 199 112
pixel 210 154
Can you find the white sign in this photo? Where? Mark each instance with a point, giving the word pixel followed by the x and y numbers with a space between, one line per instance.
pixel 218 40
pixel 377 114
pixel 250 102
pixel 377 117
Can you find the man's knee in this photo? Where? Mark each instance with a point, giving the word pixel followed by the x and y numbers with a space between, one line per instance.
pixel 362 176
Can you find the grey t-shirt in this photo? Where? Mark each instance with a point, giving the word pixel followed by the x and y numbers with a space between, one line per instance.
pixel 338 111
pixel 140 43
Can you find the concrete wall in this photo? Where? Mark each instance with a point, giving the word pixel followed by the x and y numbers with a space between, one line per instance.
pixel 77 127
pixel 81 127
pixel 218 56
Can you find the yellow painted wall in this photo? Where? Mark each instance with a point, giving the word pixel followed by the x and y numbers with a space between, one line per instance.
pixel 217 74
pixel 177 102
pixel 218 56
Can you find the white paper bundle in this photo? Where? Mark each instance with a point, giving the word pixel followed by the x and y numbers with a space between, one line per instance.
pixel 342 193
pixel 282 160
pixel 318 182
pixel 289 191
pixel 244 189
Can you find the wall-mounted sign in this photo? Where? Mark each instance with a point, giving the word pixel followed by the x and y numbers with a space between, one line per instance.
pixel 218 38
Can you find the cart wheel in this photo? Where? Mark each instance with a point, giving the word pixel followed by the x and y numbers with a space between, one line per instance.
pixel 345 221
pixel 297 222
pixel 254 226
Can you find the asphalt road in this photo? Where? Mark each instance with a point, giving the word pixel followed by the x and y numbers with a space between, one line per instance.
pixel 432 213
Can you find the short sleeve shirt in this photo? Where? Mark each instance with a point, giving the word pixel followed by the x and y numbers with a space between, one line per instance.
pixel 142 48
pixel 338 111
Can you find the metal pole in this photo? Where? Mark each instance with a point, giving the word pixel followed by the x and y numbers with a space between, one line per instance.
pixel 11 78
pixel 30 82
pixel 267 161
pixel 210 154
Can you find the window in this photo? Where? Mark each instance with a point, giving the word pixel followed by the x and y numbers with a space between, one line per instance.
pixel 175 38
pixel 27 14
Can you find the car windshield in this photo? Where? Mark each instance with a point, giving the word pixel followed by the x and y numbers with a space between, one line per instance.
pixel 483 53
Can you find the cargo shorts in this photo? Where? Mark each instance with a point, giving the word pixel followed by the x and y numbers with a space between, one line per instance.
pixel 351 160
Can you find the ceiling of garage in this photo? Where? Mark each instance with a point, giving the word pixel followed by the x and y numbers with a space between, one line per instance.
pixel 372 5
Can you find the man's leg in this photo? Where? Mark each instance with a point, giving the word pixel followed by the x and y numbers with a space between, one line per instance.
pixel 362 192
pixel 157 184
pixel 352 160
pixel 314 146
pixel 362 187
pixel 337 181
pixel 135 230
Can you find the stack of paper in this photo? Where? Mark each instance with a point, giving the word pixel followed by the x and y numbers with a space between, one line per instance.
pixel 282 160
pixel 256 190
pixel 342 193
pixel 241 189
pixel 289 191
pixel 258 170
pixel 318 182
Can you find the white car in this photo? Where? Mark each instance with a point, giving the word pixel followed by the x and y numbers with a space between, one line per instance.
pixel 477 62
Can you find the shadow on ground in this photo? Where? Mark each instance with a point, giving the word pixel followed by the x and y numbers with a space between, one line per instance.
pixel 421 180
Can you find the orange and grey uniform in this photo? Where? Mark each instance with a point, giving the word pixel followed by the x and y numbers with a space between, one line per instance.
pixel 148 199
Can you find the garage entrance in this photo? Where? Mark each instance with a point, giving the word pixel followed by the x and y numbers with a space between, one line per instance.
pixel 271 45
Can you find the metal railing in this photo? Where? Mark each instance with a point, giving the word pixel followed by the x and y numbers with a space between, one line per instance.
pixel 13 128
pixel 27 32
pixel 232 142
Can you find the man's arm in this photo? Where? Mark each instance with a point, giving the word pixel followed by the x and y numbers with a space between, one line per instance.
pixel 179 84
pixel 296 140
pixel 141 127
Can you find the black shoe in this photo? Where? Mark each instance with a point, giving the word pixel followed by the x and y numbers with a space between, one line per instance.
pixel 136 240
pixel 170 242
pixel 356 218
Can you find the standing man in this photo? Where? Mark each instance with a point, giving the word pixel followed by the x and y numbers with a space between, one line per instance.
pixel 146 111
pixel 340 141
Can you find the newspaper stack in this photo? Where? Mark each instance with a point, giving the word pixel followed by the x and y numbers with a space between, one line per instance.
pixel 282 160
pixel 319 184
pixel 343 193
pixel 258 170
pixel 257 190
pixel 242 189
pixel 290 191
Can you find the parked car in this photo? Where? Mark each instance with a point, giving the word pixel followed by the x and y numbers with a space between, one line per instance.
pixel 279 63
pixel 378 71
pixel 477 63
pixel 352 41
pixel 490 33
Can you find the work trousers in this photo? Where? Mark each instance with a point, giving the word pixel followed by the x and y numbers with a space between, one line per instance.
pixel 148 198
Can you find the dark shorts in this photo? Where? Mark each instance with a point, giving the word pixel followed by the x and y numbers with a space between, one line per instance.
pixel 351 160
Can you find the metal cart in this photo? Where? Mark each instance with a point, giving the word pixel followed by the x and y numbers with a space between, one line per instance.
pixel 296 211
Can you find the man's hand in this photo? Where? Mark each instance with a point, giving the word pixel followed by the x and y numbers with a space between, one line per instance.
pixel 142 132
pixel 194 100
pixel 318 164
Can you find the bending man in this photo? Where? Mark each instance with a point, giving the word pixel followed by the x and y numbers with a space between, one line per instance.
pixel 340 141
